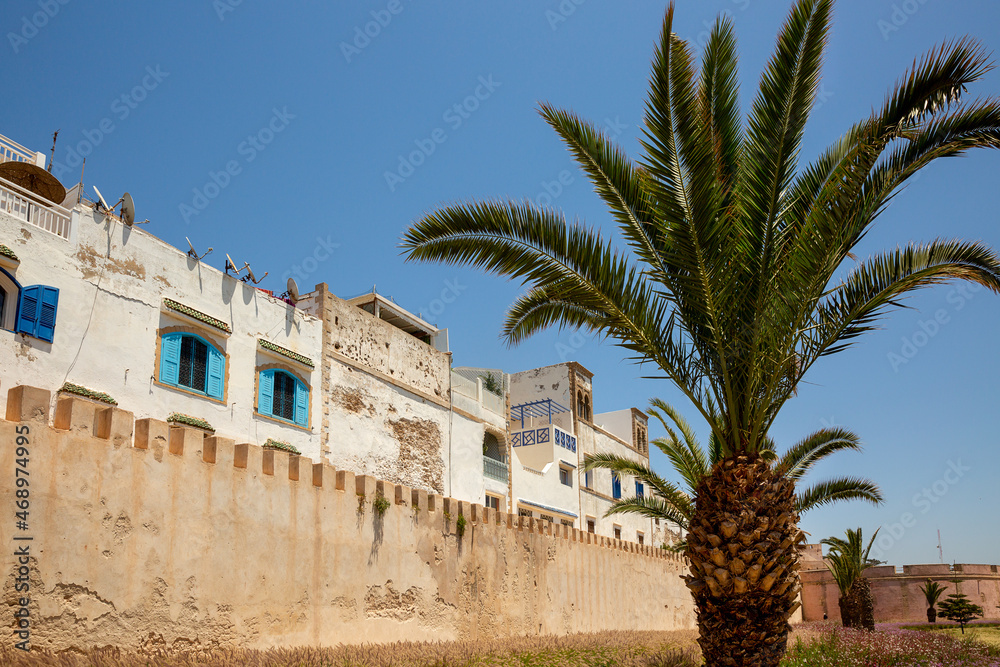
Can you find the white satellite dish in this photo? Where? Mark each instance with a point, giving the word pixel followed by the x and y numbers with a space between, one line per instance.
pixel 101 197
pixel 128 209
pixel 193 254
pixel 293 290
pixel 250 275
pixel 231 265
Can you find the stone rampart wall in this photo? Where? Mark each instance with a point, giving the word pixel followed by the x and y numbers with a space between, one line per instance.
pixel 897 593
pixel 144 534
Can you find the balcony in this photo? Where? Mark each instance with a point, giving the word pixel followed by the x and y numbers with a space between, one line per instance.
pixel 494 469
pixel 26 205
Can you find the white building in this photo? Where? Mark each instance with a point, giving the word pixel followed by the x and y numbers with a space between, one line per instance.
pixel 93 306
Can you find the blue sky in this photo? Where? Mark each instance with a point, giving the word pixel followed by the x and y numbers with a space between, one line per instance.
pixel 284 135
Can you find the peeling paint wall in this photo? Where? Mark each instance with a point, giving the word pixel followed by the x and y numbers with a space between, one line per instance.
pixel 182 541
pixel 112 281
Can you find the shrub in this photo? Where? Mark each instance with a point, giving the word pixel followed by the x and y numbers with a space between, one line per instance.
pixel 381 504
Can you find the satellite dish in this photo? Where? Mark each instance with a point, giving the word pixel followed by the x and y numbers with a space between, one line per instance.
pixel 193 254
pixel 231 265
pixel 293 290
pixel 104 204
pixel 251 276
pixel 128 209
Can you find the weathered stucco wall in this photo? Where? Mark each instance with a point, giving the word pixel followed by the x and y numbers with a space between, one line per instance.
pixel 897 594
pixel 112 280
pixel 186 541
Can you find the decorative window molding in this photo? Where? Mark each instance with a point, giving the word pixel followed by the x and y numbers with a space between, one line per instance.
pixel 285 352
pixel 192 373
pixel 197 315
pixel 283 396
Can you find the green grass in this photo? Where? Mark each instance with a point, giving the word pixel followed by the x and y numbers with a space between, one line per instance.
pixel 987 633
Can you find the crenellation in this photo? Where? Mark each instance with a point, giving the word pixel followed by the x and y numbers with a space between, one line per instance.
pixel 364 486
pixel 402 494
pixel 185 441
pixel 75 414
pixel 28 404
pixel 345 481
pixel 115 425
pixel 151 433
pixel 294 463
pixel 219 450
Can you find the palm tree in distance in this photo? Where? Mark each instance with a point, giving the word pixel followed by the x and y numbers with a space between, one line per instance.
pixel 847 560
pixel 739 273
pixel 674 503
pixel 932 591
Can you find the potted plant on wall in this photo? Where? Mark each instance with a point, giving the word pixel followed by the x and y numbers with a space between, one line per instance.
pixel 932 591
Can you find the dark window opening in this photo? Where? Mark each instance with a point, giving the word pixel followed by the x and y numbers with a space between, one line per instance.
pixel 284 396
pixel 591 527
pixel 194 363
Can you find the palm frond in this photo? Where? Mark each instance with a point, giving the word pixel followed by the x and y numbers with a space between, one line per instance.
pixel 838 490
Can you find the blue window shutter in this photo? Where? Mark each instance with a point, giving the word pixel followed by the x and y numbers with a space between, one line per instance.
pixel 216 373
pixel 639 490
pixel 170 359
pixel 27 310
pixel 46 329
pixel 301 404
pixel 265 392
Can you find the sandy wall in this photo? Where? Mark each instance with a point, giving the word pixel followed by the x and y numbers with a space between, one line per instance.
pixel 149 535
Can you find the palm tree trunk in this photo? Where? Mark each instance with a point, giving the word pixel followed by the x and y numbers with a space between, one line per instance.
pixel 857 607
pixel 931 614
pixel 744 563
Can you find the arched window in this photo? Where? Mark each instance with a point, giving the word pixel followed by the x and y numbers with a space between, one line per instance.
pixel 283 396
pixel 491 448
pixel 582 405
pixel 190 362
pixel 10 290
pixel 586 408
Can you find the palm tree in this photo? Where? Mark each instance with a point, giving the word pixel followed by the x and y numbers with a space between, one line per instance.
pixel 932 591
pixel 847 561
pixel 674 503
pixel 738 273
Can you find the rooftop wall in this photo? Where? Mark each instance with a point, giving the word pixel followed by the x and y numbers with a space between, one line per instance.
pixel 112 283
pixel 168 538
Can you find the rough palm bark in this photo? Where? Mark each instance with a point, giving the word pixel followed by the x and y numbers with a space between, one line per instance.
pixel 857 606
pixel 743 562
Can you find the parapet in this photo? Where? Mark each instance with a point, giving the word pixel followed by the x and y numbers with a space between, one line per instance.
pixel 84 417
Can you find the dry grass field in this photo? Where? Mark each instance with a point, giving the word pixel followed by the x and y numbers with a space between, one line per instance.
pixel 603 649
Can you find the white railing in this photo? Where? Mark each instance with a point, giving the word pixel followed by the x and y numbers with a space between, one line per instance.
pixel 24 205
pixel 11 151
pixel 463 386
pixel 471 389
pixel 495 404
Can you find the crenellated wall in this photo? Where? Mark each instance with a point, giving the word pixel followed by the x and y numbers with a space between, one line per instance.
pixel 897 591
pixel 146 534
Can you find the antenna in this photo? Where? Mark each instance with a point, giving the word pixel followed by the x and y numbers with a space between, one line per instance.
pixel 53 159
pixel 193 254
pixel 940 550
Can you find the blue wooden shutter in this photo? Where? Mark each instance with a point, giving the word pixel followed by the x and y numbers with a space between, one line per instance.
pixel 265 392
pixel 170 359
pixel 46 329
pixel 639 490
pixel 27 310
pixel 301 404
pixel 216 373
pixel 616 486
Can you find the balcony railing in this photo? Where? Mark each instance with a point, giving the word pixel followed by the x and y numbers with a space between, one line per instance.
pixel 495 469
pixel 12 151
pixel 543 435
pixel 24 205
